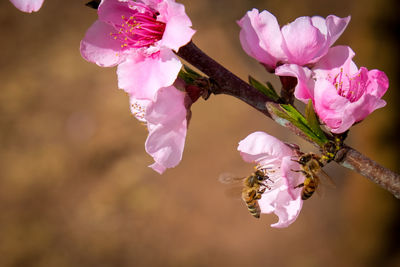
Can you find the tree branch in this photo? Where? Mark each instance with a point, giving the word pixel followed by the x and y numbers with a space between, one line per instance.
pixel 354 160
pixel 228 83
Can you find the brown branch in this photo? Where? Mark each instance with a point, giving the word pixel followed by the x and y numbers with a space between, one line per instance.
pixel 228 83
pixel 352 159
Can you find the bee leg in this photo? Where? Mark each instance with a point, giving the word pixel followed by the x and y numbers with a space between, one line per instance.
pixel 302 171
pixel 261 191
pixel 298 186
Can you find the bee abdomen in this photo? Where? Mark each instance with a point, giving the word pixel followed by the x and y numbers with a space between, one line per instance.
pixel 308 191
pixel 254 208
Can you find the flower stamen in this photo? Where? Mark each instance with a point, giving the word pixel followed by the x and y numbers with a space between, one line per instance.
pixel 139 30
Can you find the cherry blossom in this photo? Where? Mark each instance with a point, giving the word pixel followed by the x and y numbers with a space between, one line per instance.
pixel 28 5
pixel 276 158
pixel 166 121
pixel 300 42
pixel 139 36
pixel 341 93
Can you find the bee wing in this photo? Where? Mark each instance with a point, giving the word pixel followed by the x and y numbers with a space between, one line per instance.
pixel 234 192
pixel 326 180
pixel 229 178
pixel 235 184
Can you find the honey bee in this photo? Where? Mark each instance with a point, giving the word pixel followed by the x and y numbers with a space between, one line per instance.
pixel 311 167
pixel 254 186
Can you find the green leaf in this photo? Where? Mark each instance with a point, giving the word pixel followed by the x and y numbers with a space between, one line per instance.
pixel 191 72
pixel 185 76
pixel 188 75
pixel 289 113
pixel 312 119
pixel 268 91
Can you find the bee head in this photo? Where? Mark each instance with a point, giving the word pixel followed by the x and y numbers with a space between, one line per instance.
pixel 305 158
pixel 260 178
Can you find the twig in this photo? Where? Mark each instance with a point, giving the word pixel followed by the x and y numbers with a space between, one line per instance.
pixel 354 160
pixel 228 83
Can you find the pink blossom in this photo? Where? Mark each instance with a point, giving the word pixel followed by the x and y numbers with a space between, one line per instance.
pixel 166 122
pixel 139 36
pixel 276 158
pixel 341 93
pixel 28 5
pixel 300 42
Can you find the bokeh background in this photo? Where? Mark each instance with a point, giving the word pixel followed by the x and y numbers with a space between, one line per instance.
pixel 74 186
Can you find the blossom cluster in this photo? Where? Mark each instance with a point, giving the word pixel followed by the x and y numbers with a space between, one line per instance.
pixel 341 93
pixel 140 37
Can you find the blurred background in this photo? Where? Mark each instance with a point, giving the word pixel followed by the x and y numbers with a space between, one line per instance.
pixel 75 189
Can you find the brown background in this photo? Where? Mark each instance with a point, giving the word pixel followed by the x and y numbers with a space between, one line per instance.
pixel 74 186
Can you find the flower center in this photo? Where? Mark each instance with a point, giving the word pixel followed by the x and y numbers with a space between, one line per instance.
pixel 138 109
pixel 141 29
pixel 350 87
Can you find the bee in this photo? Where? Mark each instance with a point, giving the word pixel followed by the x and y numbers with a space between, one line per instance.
pixel 254 186
pixel 311 167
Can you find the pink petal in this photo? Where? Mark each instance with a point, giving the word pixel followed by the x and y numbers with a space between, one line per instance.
pixel 177 32
pixel 260 146
pixel 320 24
pixel 166 119
pixel 331 107
pixel 378 83
pixel 28 5
pixel 337 58
pixel 291 177
pixel 267 201
pixel 305 84
pixel 111 11
pixel 335 27
pixel 99 47
pixel 302 41
pixel 332 27
pixel 168 108
pixel 142 76
pixel 286 209
pixel 365 106
pixel 261 38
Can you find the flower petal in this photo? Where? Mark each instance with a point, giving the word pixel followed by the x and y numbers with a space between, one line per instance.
pixel 335 27
pixel 111 11
pixel 259 146
pixel 166 120
pixel 286 209
pixel 142 76
pixel 28 5
pixel 99 47
pixel 261 37
pixel 302 41
pixel 378 83
pixel 292 178
pixel 331 107
pixel 305 84
pixel 177 32
pixel 337 58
